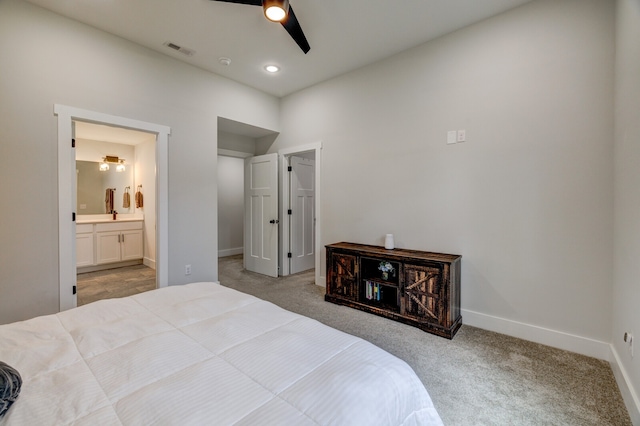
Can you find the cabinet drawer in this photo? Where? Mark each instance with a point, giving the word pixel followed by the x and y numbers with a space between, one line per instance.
pixel 84 228
pixel 118 226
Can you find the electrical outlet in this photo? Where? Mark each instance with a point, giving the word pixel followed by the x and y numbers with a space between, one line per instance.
pixel 187 269
pixel 462 135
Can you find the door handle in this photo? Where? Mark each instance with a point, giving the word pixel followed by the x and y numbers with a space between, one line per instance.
pixel 274 221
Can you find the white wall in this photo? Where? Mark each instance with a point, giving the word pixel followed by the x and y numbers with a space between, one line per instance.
pixel 527 200
pixel 234 142
pixel 626 293
pixel 230 205
pixel 231 191
pixel 89 150
pixel 145 158
pixel 47 60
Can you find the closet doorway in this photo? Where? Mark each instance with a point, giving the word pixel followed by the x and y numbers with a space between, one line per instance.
pixel 240 141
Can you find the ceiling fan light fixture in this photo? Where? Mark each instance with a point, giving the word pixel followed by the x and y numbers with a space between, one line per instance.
pixel 276 10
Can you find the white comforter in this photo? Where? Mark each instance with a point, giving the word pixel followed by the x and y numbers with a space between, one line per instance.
pixel 203 354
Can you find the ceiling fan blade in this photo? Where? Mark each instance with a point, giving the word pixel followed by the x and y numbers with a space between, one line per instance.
pixel 290 24
pixel 294 29
pixel 250 2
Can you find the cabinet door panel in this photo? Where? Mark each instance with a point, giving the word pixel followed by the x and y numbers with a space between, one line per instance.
pixel 344 282
pixel 132 245
pixel 107 247
pixel 423 293
pixel 84 250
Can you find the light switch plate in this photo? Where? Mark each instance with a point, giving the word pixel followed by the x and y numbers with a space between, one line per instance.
pixel 451 136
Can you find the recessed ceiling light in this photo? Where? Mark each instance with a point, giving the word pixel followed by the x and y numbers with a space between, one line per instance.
pixel 224 61
pixel 272 68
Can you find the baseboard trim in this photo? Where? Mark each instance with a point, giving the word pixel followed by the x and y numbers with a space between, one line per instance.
pixel 230 252
pixel 545 336
pixel 105 266
pixel 629 395
pixel 149 263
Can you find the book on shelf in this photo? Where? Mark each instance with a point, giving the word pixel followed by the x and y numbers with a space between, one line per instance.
pixel 373 291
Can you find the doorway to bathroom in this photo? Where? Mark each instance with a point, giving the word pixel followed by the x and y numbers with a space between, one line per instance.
pixel 115 211
pixel 68 117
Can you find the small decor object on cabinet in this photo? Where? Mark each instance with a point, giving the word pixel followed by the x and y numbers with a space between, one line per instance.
pixel 386 268
pixel 389 244
pixel 410 286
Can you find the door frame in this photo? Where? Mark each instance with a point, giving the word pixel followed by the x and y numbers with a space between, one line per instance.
pixel 284 200
pixel 66 208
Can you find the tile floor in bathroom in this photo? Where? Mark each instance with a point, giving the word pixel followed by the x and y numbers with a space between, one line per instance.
pixel 118 282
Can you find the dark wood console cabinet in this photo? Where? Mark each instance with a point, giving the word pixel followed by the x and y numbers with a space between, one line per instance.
pixel 414 287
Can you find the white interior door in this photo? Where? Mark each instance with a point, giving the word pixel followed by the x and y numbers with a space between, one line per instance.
pixel 261 214
pixel 302 218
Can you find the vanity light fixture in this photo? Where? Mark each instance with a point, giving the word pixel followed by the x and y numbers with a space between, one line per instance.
pixel 104 166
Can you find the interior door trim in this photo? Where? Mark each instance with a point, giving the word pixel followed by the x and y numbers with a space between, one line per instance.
pixel 66 172
pixel 284 191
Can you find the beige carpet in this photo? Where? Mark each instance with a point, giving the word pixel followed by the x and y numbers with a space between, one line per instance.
pixel 478 378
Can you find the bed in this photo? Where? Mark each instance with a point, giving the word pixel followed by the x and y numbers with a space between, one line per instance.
pixel 203 354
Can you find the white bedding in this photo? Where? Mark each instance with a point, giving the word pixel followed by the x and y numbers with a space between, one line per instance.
pixel 203 354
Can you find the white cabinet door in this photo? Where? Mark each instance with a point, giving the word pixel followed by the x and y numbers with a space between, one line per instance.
pixel 107 247
pixel 131 245
pixel 84 250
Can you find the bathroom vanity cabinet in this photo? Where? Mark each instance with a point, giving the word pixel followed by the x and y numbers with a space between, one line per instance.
pixel 108 243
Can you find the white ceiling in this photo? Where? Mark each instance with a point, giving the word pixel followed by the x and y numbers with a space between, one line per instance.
pixel 344 34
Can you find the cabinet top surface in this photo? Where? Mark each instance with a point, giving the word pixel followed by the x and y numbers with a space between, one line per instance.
pixel 397 252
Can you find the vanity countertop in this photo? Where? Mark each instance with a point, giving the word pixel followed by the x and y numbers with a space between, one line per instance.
pixel 106 218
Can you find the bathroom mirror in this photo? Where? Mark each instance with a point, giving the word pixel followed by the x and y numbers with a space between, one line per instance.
pixel 92 185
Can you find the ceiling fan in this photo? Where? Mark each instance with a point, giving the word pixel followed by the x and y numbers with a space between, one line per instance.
pixel 280 11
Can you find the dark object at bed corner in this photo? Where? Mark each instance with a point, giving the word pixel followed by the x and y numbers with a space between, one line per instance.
pixel 10 383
